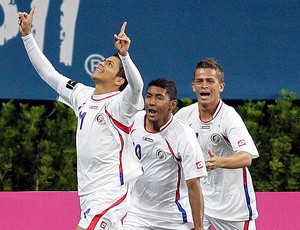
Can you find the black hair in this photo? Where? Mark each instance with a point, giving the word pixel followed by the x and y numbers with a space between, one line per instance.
pixel 211 63
pixel 168 85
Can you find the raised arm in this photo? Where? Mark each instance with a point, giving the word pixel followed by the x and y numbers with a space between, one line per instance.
pixel 37 58
pixel 134 89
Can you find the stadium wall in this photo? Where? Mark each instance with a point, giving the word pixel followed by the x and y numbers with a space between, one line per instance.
pixel 60 210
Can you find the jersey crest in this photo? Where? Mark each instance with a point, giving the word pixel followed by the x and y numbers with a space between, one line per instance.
pixel 161 154
pixel 215 138
pixel 100 118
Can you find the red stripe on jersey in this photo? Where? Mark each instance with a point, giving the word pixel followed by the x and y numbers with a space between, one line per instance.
pixel 120 160
pixel 220 107
pixel 171 150
pixel 245 177
pixel 246 225
pixel 127 130
pixel 166 125
pixel 98 216
pixel 226 140
pixel 215 114
pixel 178 172
pixel 105 97
pixel 121 126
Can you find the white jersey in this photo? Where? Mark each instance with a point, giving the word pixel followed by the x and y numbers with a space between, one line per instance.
pixel 169 158
pixel 228 193
pixel 105 154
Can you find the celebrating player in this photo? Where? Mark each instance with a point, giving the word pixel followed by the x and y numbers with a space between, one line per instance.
pixel 106 162
pixel 168 196
pixel 228 148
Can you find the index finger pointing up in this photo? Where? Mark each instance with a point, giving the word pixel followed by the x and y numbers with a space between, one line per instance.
pixel 123 27
pixel 32 10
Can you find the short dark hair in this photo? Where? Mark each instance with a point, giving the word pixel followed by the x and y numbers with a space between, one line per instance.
pixel 211 63
pixel 168 85
pixel 121 73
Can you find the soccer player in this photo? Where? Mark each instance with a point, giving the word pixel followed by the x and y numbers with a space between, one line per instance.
pixel 228 148
pixel 168 196
pixel 106 161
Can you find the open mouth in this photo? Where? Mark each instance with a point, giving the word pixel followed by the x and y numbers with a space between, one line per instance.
pixel 204 94
pixel 99 70
pixel 152 112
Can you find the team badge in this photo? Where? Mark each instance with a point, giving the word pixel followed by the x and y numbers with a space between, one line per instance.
pixel 199 165
pixel 103 224
pixel 100 118
pixel 241 142
pixel 161 154
pixel 215 138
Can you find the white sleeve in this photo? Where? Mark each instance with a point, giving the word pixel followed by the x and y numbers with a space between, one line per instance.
pixel 41 64
pixel 133 90
pixel 238 134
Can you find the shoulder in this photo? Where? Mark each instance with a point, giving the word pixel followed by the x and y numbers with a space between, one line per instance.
pixel 187 111
pixel 138 118
pixel 230 119
pixel 140 115
pixel 181 129
pixel 229 113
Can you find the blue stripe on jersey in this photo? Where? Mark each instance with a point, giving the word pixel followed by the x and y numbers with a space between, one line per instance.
pixel 247 193
pixel 183 212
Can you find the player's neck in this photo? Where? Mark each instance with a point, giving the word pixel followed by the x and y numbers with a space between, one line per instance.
pixel 207 111
pixel 155 126
pixel 101 89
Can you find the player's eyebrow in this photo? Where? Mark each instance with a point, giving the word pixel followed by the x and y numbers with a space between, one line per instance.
pixel 109 61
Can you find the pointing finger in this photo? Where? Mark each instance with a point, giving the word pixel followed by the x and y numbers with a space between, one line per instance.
pixel 32 10
pixel 123 27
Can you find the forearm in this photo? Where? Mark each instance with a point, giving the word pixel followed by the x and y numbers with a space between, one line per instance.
pixel 134 78
pixel 196 203
pixel 237 160
pixel 41 63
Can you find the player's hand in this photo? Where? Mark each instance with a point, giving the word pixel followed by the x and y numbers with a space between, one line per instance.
pixel 25 21
pixel 122 42
pixel 213 162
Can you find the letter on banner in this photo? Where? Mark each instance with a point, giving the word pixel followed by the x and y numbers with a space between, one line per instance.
pixel 69 9
pixel 39 21
pixel 9 28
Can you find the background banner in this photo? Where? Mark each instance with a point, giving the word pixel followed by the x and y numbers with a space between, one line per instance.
pixel 256 42
pixel 60 210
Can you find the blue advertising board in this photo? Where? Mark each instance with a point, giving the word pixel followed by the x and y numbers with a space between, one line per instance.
pixel 256 42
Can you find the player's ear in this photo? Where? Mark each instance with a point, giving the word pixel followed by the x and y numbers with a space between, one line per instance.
pixel 119 81
pixel 193 87
pixel 222 86
pixel 174 103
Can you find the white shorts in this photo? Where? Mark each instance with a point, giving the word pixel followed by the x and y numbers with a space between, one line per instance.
pixel 135 222
pixel 225 224
pixel 104 210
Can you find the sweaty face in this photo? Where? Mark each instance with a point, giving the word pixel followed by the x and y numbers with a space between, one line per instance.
pixel 207 87
pixel 158 106
pixel 107 69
